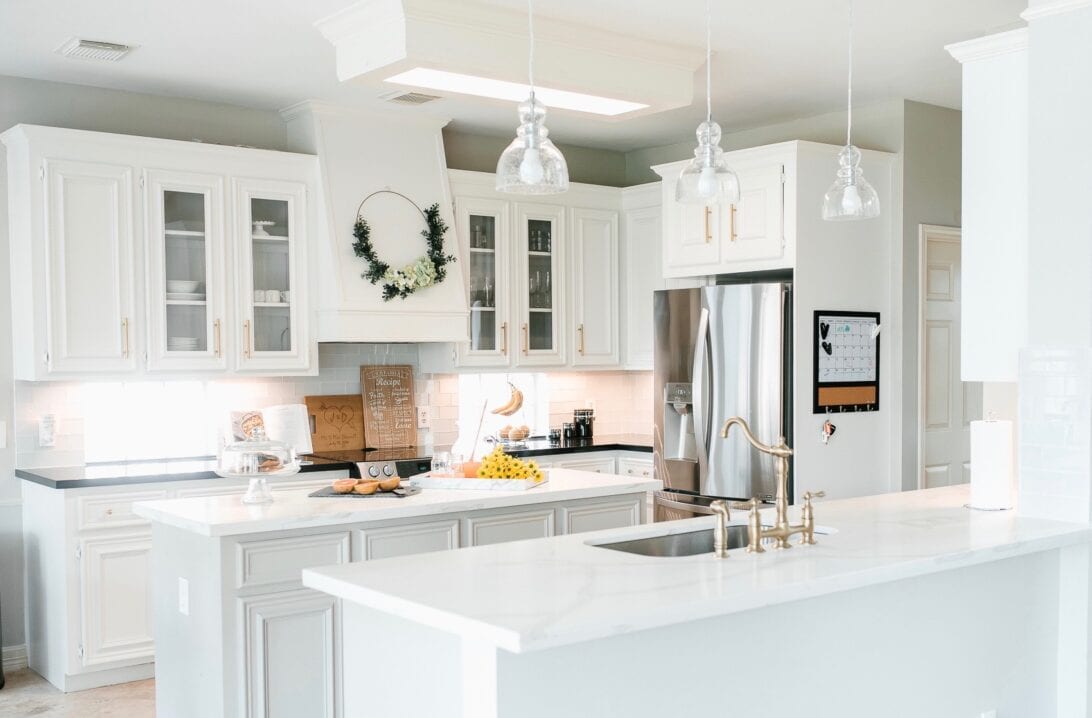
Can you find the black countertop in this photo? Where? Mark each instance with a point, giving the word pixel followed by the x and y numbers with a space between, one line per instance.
pixel 151 472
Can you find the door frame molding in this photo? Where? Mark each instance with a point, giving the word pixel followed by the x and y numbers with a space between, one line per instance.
pixel 927 233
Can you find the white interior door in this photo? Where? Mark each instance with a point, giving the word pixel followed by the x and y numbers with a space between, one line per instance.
pixel 948 405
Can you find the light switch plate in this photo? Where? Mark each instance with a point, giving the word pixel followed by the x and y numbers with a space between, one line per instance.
pixel 47 430
pixel 183 596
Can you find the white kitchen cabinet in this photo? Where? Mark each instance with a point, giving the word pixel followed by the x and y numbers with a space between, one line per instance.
pixel 293 665
pixel 599 465
pixel 89 292
pixel 642 468
pixel 749 235
pixel 115 598
pixel 271 258
pixel 485 231
pixel 185 243
pixel 510 526
pixel 390 541
pixel 539 283
pixel 994 306
pixel 89 230
pixel 594 323
pixel 642 272
pixel 613 514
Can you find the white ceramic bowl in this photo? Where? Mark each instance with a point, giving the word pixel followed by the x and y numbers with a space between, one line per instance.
pixel 182 286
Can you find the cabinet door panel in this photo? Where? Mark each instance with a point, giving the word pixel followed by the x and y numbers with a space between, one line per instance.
pixel 594 323
pixel 484 227
pixel 185 246
pixel 392 541
pixel 756 222
pixel 292 656
pixel 643 275
pixel 89 224
pixel 116 599
pixel 606 515
pixel 540 284
pixel 515 526
pixel 599 466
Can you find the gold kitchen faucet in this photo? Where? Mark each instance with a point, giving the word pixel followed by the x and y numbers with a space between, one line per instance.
pixel 782 529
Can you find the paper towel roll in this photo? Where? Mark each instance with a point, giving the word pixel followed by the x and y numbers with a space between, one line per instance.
pixel 991 464
pixel 289 423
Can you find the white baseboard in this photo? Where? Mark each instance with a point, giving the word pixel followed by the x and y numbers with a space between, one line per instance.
pixel 15 657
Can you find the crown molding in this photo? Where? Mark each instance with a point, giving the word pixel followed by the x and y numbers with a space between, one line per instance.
pixel 980 48
pixel 1053 7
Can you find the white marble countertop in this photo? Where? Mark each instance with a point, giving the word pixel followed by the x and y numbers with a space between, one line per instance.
pixel 544 593
pixel 228 516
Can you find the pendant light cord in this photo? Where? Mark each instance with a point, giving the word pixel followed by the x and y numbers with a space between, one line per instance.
pixel 708 62
pixel 531 47
pixel 849 89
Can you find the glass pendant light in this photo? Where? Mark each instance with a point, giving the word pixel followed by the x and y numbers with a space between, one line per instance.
pixel 851 196
pixel 707 179
pixel 532 164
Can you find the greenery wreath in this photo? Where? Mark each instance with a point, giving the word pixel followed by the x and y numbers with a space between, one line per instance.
pixel 424 272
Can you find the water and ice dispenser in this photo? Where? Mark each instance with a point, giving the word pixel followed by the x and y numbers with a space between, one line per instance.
pixel 679 442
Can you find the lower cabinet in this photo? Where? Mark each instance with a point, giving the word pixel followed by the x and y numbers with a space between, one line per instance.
pixel 391 541
pixel 291 649
pixel 510 526
pixel 115 599
pixel 598 465
pixel 599 516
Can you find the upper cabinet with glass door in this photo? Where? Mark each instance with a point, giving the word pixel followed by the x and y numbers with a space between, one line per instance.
pixel 186 261
pixel 270 258
pixel 483 227
pixel 539 279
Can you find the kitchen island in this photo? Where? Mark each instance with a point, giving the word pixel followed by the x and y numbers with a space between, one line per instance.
pixel 236 632
pixel 910 605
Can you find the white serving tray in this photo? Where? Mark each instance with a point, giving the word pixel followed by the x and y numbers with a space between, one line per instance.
pixel 426 481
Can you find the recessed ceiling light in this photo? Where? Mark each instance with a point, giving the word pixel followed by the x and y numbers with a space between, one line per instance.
pixel 513 91
pixel 93 49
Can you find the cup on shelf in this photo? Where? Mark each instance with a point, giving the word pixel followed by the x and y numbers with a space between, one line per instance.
pixel 259 295
pixel 286 296
pixel 272 296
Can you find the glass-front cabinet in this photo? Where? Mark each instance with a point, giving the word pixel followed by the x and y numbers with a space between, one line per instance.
pixel 186 259
pixel 270 256
pixel 539 279
pixel 483 226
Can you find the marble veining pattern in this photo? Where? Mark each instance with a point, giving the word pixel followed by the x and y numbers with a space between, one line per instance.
pixel 544 593
pixel 228 516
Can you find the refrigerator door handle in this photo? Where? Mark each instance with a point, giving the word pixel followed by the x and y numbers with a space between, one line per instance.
pixel 698 387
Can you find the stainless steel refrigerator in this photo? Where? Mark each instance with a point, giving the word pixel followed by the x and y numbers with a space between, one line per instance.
pixel 720 351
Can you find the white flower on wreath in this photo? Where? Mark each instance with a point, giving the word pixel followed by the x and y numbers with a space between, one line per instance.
pixel 418 275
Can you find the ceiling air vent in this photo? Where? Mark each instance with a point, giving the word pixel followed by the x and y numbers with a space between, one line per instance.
pixel 93 49
pixel 401 97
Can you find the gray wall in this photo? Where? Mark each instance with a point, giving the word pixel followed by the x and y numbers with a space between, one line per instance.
pixel 63 105
pixel 466 151
pixel 931 194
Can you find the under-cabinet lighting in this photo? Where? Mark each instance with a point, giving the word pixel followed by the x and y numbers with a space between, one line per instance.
pixel 427 78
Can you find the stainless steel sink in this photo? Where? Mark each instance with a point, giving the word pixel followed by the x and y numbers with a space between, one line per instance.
pixel 691 543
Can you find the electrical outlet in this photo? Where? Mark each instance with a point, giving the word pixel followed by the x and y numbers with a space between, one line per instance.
pixel 47 430
pixel 183 596
pixel 424 417
pixel 988 714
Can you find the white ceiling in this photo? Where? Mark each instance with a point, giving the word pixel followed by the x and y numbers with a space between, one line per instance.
pixel 775 59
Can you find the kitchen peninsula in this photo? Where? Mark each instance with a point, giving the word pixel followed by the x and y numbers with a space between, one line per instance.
pixel 232 615
pixel 909 601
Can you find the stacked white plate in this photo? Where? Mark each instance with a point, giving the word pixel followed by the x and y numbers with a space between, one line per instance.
pixel 186 296
pixel 181 344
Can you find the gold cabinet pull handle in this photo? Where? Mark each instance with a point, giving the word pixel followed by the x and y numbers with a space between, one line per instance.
pixel 125 337
pixel 708 231
pixel 526 340
pixel 580 330
pixel 732 223
pixel 246 338
pixel 504 338
pixel 216 338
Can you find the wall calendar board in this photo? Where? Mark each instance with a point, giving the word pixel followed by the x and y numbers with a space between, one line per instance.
pixel 847 361
pixel 390 416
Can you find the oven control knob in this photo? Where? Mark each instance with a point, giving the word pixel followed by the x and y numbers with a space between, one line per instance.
pixel 388 470
pixel 373 471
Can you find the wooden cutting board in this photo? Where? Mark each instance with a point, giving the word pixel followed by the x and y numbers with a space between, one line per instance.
pixel 337 422
pixel 390 415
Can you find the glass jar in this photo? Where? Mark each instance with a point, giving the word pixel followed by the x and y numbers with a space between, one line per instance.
pixel 257 458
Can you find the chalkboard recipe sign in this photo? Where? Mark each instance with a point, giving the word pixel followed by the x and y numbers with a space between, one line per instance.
pixel 390 415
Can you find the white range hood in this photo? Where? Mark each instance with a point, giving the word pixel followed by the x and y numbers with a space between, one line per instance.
pixel 359 153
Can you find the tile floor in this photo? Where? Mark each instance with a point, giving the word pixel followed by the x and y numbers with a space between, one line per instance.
pixel 28 695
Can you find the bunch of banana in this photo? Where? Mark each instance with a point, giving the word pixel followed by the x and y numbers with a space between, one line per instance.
pixel 515 401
